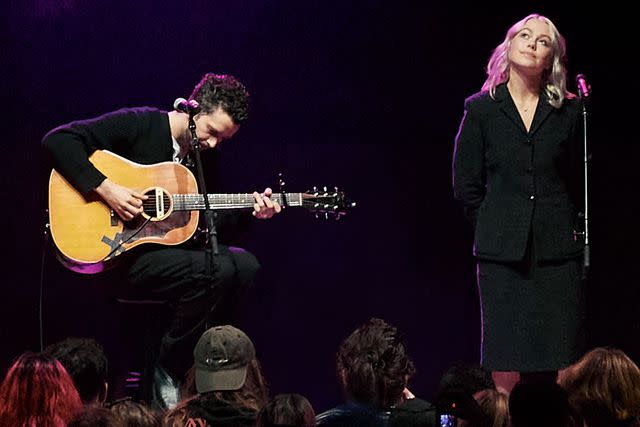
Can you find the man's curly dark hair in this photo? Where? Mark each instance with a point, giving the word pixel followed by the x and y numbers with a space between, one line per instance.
pixel 224 91
pixel 373 364
pixel 85 360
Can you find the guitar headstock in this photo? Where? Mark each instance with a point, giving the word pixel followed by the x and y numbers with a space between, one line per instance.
pixel 327 204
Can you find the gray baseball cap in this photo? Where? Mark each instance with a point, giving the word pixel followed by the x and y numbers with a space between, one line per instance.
pixel 222 357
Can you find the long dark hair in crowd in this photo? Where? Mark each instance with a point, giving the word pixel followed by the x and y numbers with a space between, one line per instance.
pixel 252 395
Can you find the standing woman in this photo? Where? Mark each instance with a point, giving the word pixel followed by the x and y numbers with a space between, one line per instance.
pixel 516 173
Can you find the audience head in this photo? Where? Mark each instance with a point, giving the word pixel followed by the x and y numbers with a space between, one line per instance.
pixel 469 377
pixel 94 416
pixel 85 360
pixel 466 391
pixel 222 358
pixel 37 390
pixel 604 387
pixel 226 372
pixel 290 410
pixel 129 413
pixel 539 404
pixel 227 368
pixel 373 364
pixel 495 408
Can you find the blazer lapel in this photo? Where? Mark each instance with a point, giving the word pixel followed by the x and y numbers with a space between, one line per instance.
pixel 508 107
pixel 542 112
pixel 543 109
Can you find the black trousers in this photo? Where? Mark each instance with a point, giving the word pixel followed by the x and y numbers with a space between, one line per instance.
pixel 197 301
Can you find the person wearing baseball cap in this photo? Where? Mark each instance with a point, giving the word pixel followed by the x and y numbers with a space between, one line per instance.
pixel 228 380
pixel 222 357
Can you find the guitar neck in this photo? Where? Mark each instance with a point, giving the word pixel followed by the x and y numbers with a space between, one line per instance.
pixel 190 202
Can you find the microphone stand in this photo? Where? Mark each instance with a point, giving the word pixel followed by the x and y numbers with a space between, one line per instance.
pixel 586 264
pixel 209 214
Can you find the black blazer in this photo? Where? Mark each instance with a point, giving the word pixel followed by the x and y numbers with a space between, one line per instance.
pixel 512 182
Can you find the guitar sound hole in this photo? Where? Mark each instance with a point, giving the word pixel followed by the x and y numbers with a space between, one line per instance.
pixel 153 207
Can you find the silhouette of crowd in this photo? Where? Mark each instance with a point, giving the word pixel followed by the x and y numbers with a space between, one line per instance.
pixel 67 385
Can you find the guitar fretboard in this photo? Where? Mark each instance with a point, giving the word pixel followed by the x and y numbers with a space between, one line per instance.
pixel 187 202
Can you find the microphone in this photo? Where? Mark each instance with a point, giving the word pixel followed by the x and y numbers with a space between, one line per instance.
pixel 190 107
pixel 584 89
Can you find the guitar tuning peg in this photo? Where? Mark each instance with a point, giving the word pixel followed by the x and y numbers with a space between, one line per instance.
pixel 326 215
pixel 325 189
pixel 315 189
pixel 317 215
pixel 338 216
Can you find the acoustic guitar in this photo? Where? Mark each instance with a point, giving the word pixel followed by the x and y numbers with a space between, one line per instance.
pixel 89 235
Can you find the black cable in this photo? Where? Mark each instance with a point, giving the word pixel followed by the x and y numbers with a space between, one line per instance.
pixel 135 233
pixel 45 245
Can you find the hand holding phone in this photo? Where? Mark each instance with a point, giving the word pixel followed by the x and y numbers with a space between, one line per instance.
pixel 447 420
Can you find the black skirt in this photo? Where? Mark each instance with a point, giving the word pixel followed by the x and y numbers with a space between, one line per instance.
pixel 532 314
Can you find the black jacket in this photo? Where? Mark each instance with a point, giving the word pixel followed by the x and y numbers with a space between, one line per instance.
pixel 512 182
pixel 142 135
pixel 412 413
pixel 218 414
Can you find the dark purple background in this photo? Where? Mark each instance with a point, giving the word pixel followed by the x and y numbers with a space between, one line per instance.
pixel 366 95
